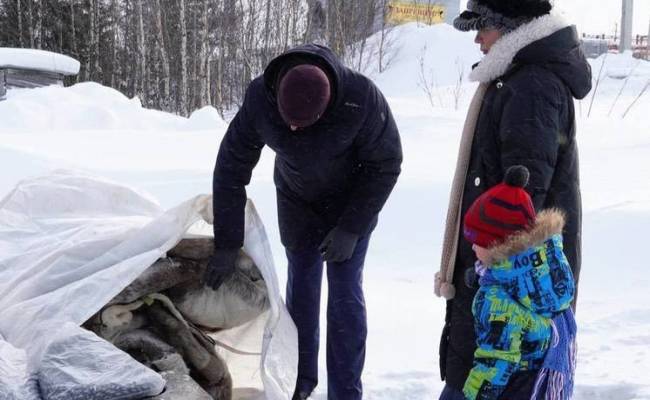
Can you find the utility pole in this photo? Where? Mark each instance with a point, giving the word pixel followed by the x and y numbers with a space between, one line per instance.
pixel 626 25
pixel 647 45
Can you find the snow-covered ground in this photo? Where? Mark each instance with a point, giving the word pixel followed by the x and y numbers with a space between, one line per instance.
pixel 97 129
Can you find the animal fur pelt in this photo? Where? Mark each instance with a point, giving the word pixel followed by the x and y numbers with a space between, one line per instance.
pixel 162 275
pixel 244 291
pixel 161 317
pixel 196 249
pixel 206 367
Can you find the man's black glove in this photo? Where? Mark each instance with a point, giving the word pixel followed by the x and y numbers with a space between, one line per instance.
pixel 220 267
pixel 338 245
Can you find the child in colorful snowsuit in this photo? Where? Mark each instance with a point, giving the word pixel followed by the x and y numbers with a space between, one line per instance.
pixel 522 315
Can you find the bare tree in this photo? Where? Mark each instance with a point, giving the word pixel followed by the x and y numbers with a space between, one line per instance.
pixel 127 85
pixel 141 54
pixel 30 18
pixel 183 106
pixel 91 35
pixel 94 12
pixel 164 60
pixel 193 52
pixel 38 41
pixel 367 21
pixel 385 50
pixel 19 10
pixel 75 50
pixel 115 27
pixel 598 79
pixel 427 81
pixel 203 95
pixel 267 29
pixel 316 22
pixel 645 89
pixel 458 87
pixel 620 92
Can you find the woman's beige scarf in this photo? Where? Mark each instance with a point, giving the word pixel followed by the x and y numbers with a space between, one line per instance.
pixel 444 278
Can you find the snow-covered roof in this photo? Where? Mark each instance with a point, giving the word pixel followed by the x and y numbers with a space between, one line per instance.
pixel 39 60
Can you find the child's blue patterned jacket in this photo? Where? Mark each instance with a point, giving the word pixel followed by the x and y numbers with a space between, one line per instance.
pixel 527 281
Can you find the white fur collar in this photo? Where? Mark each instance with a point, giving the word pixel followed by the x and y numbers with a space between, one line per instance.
pixel 498 60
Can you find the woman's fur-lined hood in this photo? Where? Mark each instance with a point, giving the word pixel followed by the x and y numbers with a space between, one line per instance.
pixel 497 61
pixel 549 42
pixel 547 223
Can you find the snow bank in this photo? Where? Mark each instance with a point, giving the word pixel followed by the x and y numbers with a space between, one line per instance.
pixel 39 60
pixel 621 66
pixel 206 118
pixel 91 106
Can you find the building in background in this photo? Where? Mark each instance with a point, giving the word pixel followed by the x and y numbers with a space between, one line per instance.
pixel 594 46
pixel 597 45
pixel 29 68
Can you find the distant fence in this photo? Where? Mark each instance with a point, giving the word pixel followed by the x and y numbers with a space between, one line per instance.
pixel 641 47
pixel 596 45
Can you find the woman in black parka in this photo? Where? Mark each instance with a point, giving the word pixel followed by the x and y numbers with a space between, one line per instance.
pixel 522 113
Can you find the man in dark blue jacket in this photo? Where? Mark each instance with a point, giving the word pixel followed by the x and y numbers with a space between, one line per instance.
pixel 338 156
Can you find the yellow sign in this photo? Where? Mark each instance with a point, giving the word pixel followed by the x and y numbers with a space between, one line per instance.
pixel 400 12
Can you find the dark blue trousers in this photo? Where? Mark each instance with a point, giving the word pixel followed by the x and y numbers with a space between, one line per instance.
pixel 346 320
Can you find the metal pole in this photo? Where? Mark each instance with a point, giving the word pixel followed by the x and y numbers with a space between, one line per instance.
pixel 647 45
pixel 626 25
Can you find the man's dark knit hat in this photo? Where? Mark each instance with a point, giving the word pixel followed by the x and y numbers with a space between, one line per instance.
pixel 504 15
pixel 303 95
pixel 501 211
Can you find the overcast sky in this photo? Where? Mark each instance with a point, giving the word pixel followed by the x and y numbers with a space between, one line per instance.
pixel 601 16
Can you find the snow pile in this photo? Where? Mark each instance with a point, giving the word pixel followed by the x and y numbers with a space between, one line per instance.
pixel 206 118
pixel 39 60
pixel 94 128
pixel 91 106
pixel 621 66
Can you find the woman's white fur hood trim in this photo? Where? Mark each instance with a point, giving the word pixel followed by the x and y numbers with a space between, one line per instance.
pixel 500 56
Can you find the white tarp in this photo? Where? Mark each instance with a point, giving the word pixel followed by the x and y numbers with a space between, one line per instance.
pixel 39 60
pixel 69 243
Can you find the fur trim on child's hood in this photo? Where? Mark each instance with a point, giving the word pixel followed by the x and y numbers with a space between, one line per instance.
pixel 547 223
